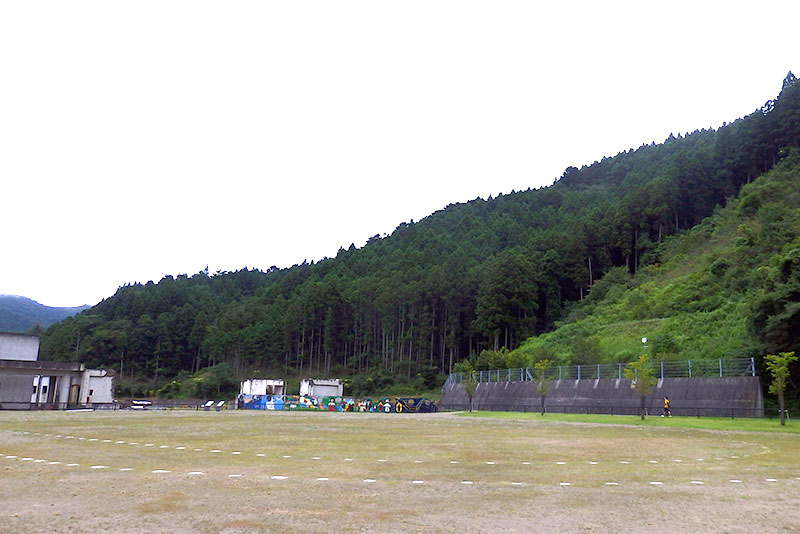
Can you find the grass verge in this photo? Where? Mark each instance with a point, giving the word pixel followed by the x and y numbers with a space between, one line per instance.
pixel 700 423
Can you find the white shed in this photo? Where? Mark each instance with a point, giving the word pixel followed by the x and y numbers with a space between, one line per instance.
pixel 262 386
pixel 321 387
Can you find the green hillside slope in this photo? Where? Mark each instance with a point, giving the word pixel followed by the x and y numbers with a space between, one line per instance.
pixel 483 275
pixel 20 314
pixel 728 287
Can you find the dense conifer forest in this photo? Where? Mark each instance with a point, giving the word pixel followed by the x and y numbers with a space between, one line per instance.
pixel 474 278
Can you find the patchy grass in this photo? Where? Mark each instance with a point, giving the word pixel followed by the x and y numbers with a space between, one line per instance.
pixel 395 473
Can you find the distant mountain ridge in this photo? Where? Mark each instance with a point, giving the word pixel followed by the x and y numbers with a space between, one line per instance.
pixel 20 314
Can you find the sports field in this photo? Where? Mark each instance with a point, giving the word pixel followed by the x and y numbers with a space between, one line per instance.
pixel 309 472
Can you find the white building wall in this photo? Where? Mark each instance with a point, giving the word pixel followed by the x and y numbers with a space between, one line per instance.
pixel 101 389
pixel 19 347
pixel 328 387
pixel 261 386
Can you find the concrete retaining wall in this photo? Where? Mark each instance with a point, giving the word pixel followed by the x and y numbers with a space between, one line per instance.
pixel 727 397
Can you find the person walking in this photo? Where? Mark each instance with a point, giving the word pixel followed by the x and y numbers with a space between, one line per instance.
pixel 667 411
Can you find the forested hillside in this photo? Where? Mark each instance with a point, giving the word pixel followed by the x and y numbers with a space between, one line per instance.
pixel 728 287
pixel 486 274
pixel 20 314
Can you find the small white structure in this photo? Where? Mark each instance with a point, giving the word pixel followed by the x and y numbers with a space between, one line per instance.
pixel 321 387
pixel 262 386
pixel 97 386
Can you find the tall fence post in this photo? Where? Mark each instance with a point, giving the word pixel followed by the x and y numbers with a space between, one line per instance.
pixel 753 365
pixel 662 368
pixel 690 368
pixel 720 367
pixel 598 370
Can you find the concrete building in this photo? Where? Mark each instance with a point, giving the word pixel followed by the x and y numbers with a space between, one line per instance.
pixel 27 383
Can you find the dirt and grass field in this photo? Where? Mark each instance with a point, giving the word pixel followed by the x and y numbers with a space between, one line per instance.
pixel 307 472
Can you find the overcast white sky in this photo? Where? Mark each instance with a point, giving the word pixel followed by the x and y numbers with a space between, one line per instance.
pixel 145 138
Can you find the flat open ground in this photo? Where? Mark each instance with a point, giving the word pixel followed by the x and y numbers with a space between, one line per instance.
pixel 308 472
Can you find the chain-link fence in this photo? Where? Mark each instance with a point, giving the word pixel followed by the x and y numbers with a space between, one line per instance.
pixel 722 367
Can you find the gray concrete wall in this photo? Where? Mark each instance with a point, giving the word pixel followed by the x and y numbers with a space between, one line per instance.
pixel 15 392
pixel 18 347
pixel 739 396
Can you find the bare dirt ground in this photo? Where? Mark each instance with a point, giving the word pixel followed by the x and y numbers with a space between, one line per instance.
pixel 307 472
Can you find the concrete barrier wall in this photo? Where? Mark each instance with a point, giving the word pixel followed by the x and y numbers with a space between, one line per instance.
pixel 732 396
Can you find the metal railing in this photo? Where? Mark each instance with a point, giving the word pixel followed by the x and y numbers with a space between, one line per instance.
pixel 721 367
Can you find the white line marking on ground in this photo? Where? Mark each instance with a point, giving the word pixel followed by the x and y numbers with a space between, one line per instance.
pixel 161 471
pixel 653 461
pixel 236 452
pixel 453 462
pixel 53 463
pixel 656 483
pixel 73 465
pixel 718 458
pixel 81 439
pixel 235 475
pixel 193 473
pixel 624 462
pixel 369 480
pixel 105 441
pixel 69 437
pixel 735 480
pixel 26 459
pixel 126 469
pixel 10 456
pixel 315 458
pixel 93 439
pixel 771 479
pixel 119 442
pixel 381 460
pixel 467 482
pixel 489 463
pixel 348 459
pixel 526 463
pixel 133 443
pixel 593 463
pixel 180 448
pixel 565 483
pixel 612 483
pixel 215 450
pixel 285 456
pixel 39 461
pixel 698 482
pixel 260 454
pixel 148 444
pixel 516 483
pixel 164 447
pixel 734 457
pixel 279 477
pixel 418 482
pixel 700 459
pixel 417 461
pixel 197 450
pixel 679 461
pixel 322 479
pixel 561 463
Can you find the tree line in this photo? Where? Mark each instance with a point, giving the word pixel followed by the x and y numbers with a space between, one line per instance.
pixel 484 274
